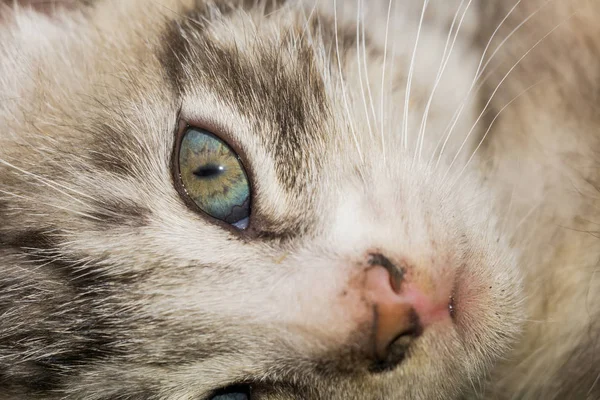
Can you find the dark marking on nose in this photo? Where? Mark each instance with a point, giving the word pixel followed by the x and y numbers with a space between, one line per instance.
pixel 396 273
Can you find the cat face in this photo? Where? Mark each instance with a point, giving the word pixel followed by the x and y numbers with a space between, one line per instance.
pixel 363 271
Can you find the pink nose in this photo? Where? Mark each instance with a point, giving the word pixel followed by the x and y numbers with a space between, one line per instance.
pixel 402 311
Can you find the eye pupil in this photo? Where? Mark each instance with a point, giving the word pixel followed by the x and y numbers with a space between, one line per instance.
pixel 210 171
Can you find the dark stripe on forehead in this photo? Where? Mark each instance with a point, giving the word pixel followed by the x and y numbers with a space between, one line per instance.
pixel 276 84
pixel 208 7
pixel 195 21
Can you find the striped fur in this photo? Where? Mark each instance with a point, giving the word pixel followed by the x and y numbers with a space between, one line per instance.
pixel 112 288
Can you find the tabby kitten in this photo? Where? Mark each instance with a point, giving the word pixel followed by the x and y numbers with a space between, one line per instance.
pixel 268 199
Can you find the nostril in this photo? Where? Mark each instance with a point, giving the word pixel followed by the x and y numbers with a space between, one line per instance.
pixel 391 351
pixel 396 274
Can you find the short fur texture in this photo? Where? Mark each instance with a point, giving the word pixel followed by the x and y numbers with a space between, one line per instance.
pixel 360 136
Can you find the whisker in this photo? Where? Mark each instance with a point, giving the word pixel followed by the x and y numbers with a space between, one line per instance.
pixel 306 30
pixel 49 183
pixel 36 201
pixel 410 75
pixel 362 88
pixel 492 124
pixel 526 217
pixel 594 385
pixel 366 68
pixel 385 50
pixel 391 89
pixel 464 142
pixel 511 33
pixel 443 63
pixel 344 94
pixel 479 71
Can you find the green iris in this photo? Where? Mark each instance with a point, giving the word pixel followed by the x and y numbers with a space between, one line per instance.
pixel 231 396
pixel 214 177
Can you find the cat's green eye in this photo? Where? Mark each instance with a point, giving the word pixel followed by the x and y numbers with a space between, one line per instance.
pixel 214 178
pixel 231 396
pixel 233 393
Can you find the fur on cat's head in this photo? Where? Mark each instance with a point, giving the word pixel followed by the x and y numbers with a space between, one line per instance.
pixel 112 287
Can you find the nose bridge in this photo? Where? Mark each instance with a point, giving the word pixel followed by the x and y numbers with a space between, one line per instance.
pixel 395 223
